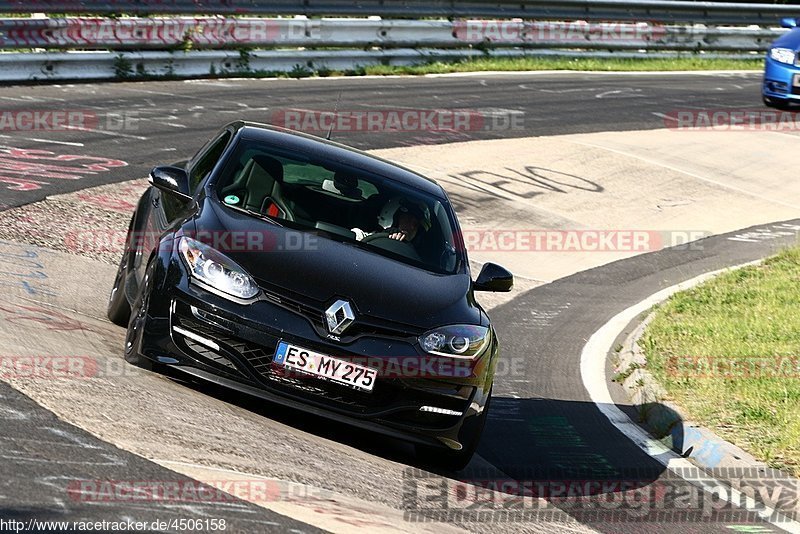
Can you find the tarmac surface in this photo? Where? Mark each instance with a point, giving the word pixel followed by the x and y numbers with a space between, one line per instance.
pixel 142 124
pixel 608 166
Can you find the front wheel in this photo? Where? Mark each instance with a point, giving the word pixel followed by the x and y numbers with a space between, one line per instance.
pixel 138 317
pixel 470 437
pixel 119 309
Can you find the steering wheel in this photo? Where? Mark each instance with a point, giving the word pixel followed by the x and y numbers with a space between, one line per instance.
pixel 375 236
pixel 383 241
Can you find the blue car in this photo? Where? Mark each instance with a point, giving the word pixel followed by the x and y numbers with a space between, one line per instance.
pixel 781 87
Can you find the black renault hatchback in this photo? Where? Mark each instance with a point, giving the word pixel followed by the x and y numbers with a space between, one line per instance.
pixel 316 276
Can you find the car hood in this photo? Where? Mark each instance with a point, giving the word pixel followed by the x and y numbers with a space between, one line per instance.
pixel 790 39
pixel 324 270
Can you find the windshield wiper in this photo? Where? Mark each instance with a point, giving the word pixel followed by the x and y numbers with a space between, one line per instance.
pixel 256 214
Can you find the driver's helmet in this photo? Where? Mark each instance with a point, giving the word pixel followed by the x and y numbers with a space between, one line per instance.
pixel 418 210
pixel 386 216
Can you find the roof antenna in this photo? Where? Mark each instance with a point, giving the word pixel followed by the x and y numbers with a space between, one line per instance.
pixel 335 111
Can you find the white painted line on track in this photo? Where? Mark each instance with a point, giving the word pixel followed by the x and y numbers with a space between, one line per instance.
pixel 32 99
pixel 39 140
pixel 107 132
pixel 621 93
pixel 665 116
pixel 180 97
pixel 52 141
pixel 612 73
pixel 593 375
pixel 492 73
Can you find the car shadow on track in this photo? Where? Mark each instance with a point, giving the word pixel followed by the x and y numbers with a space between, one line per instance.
pixel 566 458
pixel 526 437
pixel 564 454
pixel 370 442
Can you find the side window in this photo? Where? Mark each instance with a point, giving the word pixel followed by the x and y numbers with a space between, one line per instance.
pixel 206 161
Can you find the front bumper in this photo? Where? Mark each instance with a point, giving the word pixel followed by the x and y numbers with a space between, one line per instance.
pixel 781 81
pixel 211 337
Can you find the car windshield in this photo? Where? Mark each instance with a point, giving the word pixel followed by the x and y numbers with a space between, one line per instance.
pixel 341 203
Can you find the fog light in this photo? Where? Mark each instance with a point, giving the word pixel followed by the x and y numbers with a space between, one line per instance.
pixel 441 411
pixel 194 337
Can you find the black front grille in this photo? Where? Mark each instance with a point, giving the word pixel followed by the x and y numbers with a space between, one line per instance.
pixel 209 354
pixel 255 355
pixel 346 397
pixel 314 311
pixel 296 382
pixel 256 360
pixel 260 359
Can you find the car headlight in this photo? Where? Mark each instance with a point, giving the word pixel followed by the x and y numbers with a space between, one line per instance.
pixel 457 341
pixel 215 269
pixel 783 55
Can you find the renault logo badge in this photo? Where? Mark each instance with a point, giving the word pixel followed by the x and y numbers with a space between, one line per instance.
pixel 339 316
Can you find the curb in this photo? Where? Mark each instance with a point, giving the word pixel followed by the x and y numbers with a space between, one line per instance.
pixel 664 418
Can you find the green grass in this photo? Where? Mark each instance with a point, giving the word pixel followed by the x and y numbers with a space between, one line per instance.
pixel 752 312
pixel 581 64
pixel 526 64
pixel 529 63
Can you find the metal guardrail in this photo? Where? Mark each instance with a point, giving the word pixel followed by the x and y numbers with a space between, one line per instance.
pixel 157 46
pixel 16 67
pixel 663 11
pixel 218 32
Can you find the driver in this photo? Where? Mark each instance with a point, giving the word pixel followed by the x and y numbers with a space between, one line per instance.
pixel 409 220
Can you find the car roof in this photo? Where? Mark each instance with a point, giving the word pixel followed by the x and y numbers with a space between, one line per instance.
pixel 330 150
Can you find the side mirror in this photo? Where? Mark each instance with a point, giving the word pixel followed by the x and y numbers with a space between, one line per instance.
pixel 789 22
pixel 494 278
pixel 172 180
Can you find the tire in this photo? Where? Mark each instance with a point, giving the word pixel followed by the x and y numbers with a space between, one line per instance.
pixel 138 316
pixel 450 460
pixel 119 309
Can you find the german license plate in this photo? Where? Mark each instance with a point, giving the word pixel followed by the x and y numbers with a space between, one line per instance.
pixel 324 366
pixel 796 80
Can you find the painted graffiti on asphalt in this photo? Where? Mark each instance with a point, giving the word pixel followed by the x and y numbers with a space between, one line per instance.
pixel 46 317
pixel 24 169
pixel 21 266
pixel 516 184
pixel 767 233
